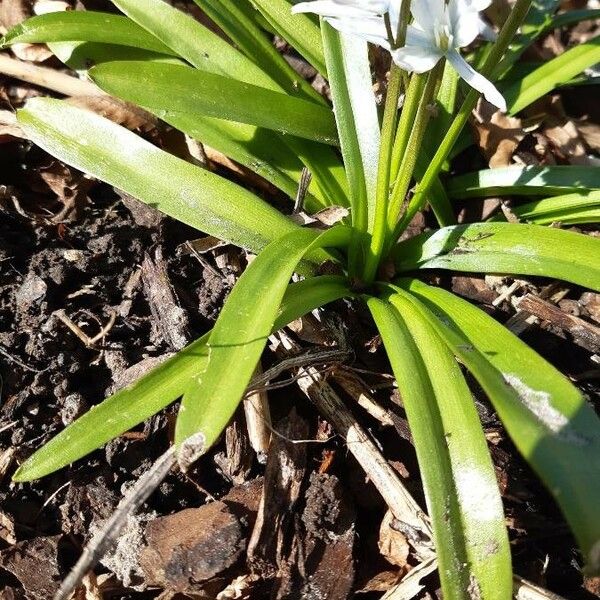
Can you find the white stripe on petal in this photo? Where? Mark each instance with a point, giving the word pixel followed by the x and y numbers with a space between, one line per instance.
pixel 476 80
pixel 416 59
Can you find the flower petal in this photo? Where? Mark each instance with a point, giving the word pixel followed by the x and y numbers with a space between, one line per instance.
pixel 428 14
pixel 476 80
pixel 486 31
pixel 332 8
pixel 371 29
pixel 343 8
pixel 417 37
pixel 416 59
pixel 465 22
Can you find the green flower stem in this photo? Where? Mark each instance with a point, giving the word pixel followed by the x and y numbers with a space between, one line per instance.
pixel 390 117
pixel 388 130
pixel 414 93
pixel 413 143
pixel 505 37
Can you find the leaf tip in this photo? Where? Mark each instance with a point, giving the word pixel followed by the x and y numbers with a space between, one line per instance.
pixel 190 450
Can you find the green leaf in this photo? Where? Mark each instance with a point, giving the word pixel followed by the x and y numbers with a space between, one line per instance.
pixel 458 477
pixel 545 24
pixel 571 209
pixel 87 26
pixel 537 18
pixel 191 40
pixel 525 181
pixel 80 56
pixel 260 150
pixel 235 18
pixel 299 30
pixel 552 73
pixel 513 248
pixel 325 166
pixel 171 88
pixel 117 156
pixel 161 386
pixel 545 415
pixel 239 337
pixel 348 74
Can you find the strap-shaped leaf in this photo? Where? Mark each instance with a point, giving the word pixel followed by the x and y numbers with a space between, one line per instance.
pixel 545 415
pixel 260 150
pixel 80 55
pixel 357 120
pixel 346 127
pixel 570 209
pixel 458 477
pixel 512 248
pixel 86 26
pixel 239 337
pixel 551 74
pixel 525 181
pixel 192 195
pixel 161 386
pixel 299 30
pixel 235 18
pixel 545 23
pixel 538 16
pixel 175 88
pixel 193 41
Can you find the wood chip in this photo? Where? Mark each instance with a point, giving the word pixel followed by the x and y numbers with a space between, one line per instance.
pixel 191 546
pixel 170 319
pixel 35 564
pixel 583 333
pixel 286 466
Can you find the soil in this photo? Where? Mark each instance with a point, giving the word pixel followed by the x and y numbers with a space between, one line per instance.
pixel 96 259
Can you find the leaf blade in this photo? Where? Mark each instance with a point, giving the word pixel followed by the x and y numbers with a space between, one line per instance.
pixel 115 155
pixel 513 248
pixel 458 477
pixel 545 415
pixel 164 87
pixel 193 41
pixel 238 338
pixel 86 26
pixel 299 30
pixel 551 74
pixel 531 180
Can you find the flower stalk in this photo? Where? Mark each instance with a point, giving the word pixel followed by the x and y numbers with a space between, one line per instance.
pixel 427 85
pixel 497 50
pixel 388 133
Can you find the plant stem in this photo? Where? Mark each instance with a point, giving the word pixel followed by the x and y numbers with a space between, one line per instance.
pixel 505 37
pixel 412 98
pixel 383 174
pixel 414 139
pixel 390 117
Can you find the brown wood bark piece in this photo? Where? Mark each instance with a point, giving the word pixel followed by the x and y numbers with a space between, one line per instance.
pixel 286 466
pixel 191 546
pixel 236 462
pixel 583 333
pixel 35 564
pixel 170 319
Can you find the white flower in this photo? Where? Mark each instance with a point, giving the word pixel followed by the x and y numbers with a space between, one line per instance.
pixel 437 30
pixel 344 8
pixel 441 30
